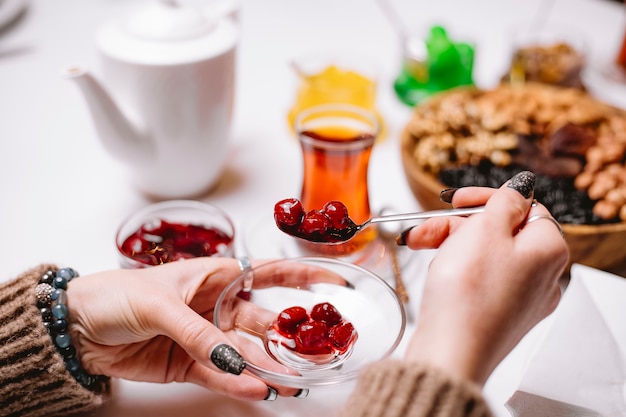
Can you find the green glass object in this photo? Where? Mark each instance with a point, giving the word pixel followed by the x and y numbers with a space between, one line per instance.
pixel 434 65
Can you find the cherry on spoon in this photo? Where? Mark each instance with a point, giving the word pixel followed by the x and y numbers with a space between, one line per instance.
pixel 332 225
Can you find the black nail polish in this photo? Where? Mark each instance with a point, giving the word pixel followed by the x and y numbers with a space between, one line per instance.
pixel 524 183
pixel 272 394
pixel 227 359
pixel 302 393
pixel 446 195
pixel 401 238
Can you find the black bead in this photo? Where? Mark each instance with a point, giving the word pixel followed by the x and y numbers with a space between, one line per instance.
pixel 68 352
pixel 48 326
pixel 59 325
pixel 83 378
pixel 73 366
pixel 46 314
pixel 47 277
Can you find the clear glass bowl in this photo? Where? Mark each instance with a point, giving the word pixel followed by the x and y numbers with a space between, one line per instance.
pixel 249 305
pixel 180 212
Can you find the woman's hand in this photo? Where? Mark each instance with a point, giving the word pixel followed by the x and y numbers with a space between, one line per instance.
pixel 154 325
pixel 494 277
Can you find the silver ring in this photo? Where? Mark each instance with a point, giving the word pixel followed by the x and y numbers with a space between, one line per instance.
pixel 547 217
pixel 244 263
pixel 245 266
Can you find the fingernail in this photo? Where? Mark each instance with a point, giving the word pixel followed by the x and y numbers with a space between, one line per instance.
pixel 523 182
pixel 302 393
pixel 401 238
pixel 272 394
pixel 447 194
pixel 227 359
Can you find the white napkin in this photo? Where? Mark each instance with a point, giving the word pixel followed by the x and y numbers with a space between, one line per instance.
pixel 581 360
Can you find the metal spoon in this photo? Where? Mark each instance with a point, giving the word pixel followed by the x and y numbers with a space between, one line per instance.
pixel 344 235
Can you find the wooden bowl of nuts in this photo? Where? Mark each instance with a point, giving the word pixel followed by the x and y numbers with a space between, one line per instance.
pixel 575 144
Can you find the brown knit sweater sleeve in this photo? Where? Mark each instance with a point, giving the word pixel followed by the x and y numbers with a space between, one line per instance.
pixel 33 378
pixel 393 388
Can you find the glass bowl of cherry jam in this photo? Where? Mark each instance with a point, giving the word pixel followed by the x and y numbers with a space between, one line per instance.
pixel 174 230
pixel 311 321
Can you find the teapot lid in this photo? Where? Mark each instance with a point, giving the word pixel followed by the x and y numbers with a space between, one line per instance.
pixel 167 32
pixel 167 20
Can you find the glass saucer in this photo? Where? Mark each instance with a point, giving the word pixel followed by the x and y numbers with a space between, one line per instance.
pixel 247 308
pixel 263 240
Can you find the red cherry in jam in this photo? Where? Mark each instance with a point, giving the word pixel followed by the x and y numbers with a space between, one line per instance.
pixel 329 224
pixel 322 331
pixel 312 338
pixel 342 336
pixel 163 241
pixel 327 313
pixel 245 295
pixel 288 213
pixel 290 318
pixel 337 212
pixel 315 223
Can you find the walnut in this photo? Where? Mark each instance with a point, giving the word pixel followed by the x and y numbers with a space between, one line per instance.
pixel 500 158
pixel 556 132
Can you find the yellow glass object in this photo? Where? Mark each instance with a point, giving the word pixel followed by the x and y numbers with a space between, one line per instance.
pixel 334 84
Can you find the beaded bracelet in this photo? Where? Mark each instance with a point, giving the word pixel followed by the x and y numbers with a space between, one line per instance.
pixel 51 301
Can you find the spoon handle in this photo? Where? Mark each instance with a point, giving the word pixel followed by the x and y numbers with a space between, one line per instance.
pixel 465 211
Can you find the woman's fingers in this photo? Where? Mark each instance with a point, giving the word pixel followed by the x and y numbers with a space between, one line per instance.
pixel 217 355
pixel 430 234
pixel 470 196
pixel 244 386
pixel 294 273
pixel 540 226
pixel 509 206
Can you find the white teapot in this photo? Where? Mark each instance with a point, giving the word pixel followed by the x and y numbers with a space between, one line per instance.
pixel 165 104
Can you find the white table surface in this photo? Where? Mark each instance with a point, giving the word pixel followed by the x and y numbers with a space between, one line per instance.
pixel 62 196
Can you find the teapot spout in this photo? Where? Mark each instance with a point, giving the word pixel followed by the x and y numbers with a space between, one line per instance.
pixel 117 134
